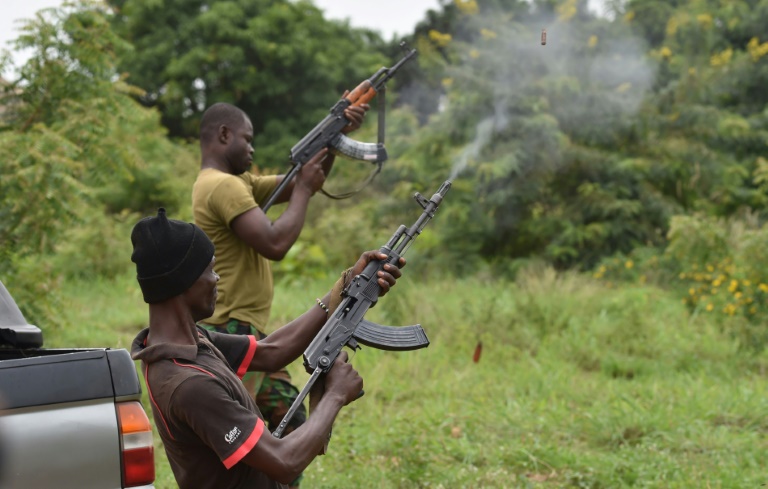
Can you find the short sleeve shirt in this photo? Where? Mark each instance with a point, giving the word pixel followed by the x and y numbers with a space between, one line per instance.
pixel 207 420
pixel 246 287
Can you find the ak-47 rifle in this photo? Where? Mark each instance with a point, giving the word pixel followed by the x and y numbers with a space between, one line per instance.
pixel 328 132
pixel 346 325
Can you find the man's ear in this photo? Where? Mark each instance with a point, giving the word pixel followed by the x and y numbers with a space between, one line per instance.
pixel 224 134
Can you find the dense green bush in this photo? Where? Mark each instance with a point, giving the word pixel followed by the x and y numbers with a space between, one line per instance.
pixel 718 268
pixel 81 159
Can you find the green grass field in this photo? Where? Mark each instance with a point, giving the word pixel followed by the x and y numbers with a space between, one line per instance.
pixel 578 386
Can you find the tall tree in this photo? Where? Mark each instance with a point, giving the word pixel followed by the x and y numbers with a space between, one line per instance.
pixel 708 124
pixel 280 61
pixel 74 143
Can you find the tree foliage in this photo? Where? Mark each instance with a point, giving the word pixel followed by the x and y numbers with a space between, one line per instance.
pixel 73 145
pixel 581 149
pixel 586 147
pixel 281 62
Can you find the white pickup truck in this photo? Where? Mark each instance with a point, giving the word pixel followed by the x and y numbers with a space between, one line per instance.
pixel 69 418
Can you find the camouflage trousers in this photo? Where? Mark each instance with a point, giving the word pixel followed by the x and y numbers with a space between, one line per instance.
pixel 272 391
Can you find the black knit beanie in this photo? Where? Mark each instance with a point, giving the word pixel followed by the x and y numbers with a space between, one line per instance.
pixel 170 256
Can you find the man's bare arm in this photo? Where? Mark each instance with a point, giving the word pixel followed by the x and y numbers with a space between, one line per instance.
pixel 283 459
pixel 273 239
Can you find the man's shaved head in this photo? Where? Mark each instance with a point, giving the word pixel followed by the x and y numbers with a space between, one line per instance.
pixel 217 115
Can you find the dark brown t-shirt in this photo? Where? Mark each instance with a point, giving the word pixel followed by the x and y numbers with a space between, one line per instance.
pixel 206 418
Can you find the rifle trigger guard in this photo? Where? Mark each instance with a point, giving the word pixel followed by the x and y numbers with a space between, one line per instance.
pixel 353 344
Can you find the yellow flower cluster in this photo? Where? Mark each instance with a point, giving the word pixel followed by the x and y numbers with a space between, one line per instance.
pixel 722 58
pixel 600 272
pixel 724 288
pixel 487 34
pixel 440 39
pixel 567 10
pixel 672 25
pixel 717 289
pixel 705 20
pixel 467 7
pixel 756 49
pixel 614 268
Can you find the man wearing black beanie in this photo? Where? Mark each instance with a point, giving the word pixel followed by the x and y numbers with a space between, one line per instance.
pixel 191 373
pixel 169 255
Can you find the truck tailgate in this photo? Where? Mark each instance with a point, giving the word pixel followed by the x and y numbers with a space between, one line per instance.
pixel 58 427
pixel 55 453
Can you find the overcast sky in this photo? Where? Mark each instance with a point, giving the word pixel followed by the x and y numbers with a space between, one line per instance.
pixel 390 17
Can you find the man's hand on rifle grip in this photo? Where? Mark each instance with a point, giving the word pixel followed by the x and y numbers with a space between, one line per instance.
pixel 343 380
pixel 312 174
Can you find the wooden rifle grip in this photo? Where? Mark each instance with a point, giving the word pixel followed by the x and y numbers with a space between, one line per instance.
pixel 359 90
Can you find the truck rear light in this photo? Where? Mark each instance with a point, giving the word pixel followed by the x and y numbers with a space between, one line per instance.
pixel 136 444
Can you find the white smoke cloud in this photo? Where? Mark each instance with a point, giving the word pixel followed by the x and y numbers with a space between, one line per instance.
pixel 605 73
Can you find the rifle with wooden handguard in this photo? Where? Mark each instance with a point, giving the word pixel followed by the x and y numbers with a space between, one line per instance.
pixel 327 133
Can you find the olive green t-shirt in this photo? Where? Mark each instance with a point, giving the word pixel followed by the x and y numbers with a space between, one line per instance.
pixel 245 287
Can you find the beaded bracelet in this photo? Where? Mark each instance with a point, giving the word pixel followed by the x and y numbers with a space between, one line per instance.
pixel 322 306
